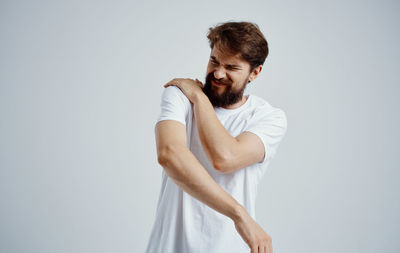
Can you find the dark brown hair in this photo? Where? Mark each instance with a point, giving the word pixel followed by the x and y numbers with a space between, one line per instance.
pixel 243 38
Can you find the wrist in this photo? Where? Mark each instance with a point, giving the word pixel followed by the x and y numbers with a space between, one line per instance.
pixel 239 213
pixel 199 96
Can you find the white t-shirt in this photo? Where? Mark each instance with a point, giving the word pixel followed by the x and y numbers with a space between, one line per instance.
pixel 184 224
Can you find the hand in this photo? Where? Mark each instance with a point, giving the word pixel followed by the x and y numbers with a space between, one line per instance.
pixel 191 88
pixel 253 234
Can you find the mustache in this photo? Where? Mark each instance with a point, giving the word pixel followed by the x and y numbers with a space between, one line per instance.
pixel 220 81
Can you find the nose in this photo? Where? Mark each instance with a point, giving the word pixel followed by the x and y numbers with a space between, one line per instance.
pixel 219 73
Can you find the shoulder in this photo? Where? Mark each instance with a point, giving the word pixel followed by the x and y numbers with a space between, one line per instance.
pixel 173 96
pixel 262 110
pixel 173 91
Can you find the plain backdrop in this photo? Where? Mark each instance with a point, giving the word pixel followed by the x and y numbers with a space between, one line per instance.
pixel 80 89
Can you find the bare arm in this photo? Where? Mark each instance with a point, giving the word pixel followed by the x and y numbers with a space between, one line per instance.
pixel 225 152
pixel 186 171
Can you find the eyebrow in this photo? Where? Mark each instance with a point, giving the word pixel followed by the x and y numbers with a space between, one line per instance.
pixel 229 65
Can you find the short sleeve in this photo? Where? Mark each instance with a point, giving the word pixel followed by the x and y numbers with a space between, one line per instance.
pixel 174 105
pixel 270 126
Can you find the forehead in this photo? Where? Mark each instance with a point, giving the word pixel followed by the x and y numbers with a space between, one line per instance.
pixel 227 58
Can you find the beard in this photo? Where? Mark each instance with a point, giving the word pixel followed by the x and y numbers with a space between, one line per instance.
pixel 228 97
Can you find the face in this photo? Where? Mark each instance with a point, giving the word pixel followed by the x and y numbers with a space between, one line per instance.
pixel 226 79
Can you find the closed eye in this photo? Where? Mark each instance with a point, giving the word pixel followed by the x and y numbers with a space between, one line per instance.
pixel 231 67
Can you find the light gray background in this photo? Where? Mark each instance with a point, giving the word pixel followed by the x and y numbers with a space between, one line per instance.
pixel 80 87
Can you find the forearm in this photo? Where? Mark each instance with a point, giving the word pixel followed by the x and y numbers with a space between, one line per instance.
pixel 216 140
pixel 186 171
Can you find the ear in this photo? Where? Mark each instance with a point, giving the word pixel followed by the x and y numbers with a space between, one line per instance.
pixel 255 72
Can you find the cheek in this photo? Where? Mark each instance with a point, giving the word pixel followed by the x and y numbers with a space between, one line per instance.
pixel 235 78
pixel 209 69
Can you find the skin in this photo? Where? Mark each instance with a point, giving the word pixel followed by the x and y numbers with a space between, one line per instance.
pixel 228 154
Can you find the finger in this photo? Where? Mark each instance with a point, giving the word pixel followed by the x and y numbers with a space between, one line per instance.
pixel 261 249
pixel 172 82
pixel 200 84
pixel 254 249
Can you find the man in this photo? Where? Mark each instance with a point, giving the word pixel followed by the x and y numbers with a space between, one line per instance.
pixel 215 144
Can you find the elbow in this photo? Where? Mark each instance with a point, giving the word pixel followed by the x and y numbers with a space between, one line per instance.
pixel 164 155
pixel 161 159
pixel 168 158
pixel 164 159
pixel 221 165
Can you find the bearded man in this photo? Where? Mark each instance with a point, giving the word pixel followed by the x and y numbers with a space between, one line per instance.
pixel 214 144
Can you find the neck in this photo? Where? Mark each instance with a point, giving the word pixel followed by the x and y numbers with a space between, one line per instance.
pixel 238 104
